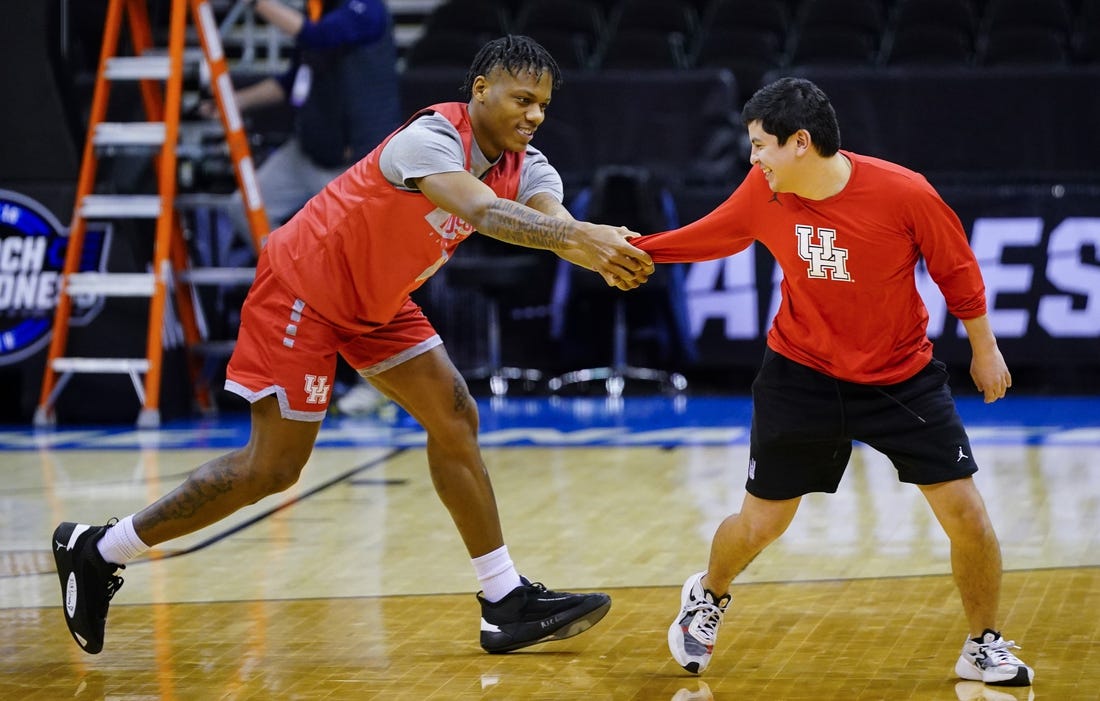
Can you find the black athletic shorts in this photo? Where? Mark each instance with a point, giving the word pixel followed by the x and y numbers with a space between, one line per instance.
pixel 804 422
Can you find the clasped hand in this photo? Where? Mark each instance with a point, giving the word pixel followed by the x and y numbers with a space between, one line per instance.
pixel 607 250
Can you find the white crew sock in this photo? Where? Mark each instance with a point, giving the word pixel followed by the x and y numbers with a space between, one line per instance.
pixel 496 573
pixel 120 543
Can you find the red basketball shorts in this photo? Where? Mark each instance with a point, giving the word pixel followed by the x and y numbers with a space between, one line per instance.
pixel 284 348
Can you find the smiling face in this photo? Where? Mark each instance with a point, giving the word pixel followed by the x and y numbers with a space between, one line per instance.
pixel 780 164
pixel 507 108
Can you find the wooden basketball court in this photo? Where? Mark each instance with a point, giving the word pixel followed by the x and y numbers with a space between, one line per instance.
pixel 354 584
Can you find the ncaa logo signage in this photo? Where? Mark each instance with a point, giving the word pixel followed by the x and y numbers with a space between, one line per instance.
pixel 32 253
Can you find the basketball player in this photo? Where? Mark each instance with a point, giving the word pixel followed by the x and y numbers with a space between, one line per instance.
pixel 335 279
pixel 848 357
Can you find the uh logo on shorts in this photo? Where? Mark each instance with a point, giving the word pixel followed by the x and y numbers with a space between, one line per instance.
pixel 317 389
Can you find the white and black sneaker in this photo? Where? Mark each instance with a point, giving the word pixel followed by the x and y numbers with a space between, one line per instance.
pixel 87 581
pixel 988 659
pixel 532 614
pixel 692 634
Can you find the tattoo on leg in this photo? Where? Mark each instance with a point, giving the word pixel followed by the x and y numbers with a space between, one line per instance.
pixel 190 497
pixel 462 397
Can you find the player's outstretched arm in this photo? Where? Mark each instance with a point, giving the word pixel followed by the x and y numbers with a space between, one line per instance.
pixel 604 249
pixel 549 205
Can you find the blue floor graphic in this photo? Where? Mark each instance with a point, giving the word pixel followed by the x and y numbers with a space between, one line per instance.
pixel 578 421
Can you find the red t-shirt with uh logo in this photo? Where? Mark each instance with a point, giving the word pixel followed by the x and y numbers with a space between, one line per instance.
pixel 850 306
pixel 359 247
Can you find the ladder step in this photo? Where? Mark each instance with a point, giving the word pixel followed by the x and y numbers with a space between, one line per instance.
pixel 192 55
pixel 120 206
pixel 137 68
pixel 100 365
pixel 111 284
pixel 129 134
pixel 219 276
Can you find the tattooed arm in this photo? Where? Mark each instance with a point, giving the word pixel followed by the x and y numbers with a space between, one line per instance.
pixel 604 249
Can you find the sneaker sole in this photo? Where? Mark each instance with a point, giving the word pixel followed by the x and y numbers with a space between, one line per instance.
pixel 570 629
pixel 969 671
pixel 1023 678
pixel 675 639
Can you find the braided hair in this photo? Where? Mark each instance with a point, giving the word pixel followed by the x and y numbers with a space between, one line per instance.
pixel 514 53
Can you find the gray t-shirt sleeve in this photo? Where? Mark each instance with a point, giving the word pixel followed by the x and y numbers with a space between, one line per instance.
pixel 429 145
pixel 538 176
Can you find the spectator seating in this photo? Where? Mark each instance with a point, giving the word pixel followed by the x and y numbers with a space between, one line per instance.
pixel 751 38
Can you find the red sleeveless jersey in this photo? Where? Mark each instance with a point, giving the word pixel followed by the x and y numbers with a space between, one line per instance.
pixel 359 247
pixel 850 306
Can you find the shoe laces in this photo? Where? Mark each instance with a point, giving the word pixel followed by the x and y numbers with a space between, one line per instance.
pixel 998 652
pixel 113 584
pixel 705 618
pixel 539 587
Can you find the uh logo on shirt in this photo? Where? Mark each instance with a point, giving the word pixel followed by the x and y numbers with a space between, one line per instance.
pixel 449 227
pixel 825 258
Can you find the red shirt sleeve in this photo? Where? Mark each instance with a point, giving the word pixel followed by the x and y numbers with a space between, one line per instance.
pixel 942 241
pixel 721 233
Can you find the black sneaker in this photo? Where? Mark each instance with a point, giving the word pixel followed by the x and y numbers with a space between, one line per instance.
pixel 87 582
pixel 532 614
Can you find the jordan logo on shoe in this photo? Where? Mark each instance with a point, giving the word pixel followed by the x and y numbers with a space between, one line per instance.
pixel 59 544
pixel 961 455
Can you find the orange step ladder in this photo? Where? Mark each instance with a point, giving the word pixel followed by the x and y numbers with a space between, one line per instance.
pixel 170 267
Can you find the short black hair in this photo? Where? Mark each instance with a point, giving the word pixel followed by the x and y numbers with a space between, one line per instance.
pixel 790 104
pixel 514 53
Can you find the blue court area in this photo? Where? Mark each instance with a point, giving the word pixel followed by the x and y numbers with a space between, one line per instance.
pixel 579 421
